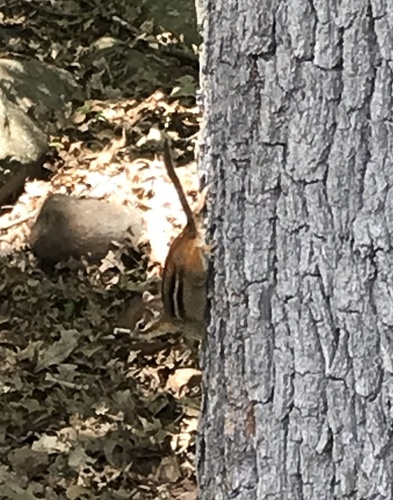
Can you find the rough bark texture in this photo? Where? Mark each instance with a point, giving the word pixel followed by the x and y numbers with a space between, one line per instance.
pixel 298 146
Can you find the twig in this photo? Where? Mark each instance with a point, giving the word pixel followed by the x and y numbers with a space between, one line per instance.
pixel 21 220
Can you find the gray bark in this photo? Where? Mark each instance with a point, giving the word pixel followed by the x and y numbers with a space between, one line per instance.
pixel 297 148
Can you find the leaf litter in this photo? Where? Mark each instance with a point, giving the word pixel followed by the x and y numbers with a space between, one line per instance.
pixel 88 412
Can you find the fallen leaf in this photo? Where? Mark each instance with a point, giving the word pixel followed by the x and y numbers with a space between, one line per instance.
pixel 58 351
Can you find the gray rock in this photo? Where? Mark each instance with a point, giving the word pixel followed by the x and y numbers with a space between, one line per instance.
pixel 74 227
pixel 38 88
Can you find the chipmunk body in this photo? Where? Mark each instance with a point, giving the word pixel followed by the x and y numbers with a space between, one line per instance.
pixel 185 270
pixel 184 279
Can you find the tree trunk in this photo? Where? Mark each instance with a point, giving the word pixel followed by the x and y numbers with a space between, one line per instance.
pixel 297 147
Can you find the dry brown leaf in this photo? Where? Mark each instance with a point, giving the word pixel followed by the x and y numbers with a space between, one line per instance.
pixel 58 351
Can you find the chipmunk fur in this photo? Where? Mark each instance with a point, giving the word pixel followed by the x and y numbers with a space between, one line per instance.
pixel 185 271
pixel 183 288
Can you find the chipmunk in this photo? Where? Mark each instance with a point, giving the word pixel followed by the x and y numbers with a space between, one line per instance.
pixel 185 270
pixel 184 278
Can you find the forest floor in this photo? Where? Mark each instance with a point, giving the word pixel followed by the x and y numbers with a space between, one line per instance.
pixel 86 413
